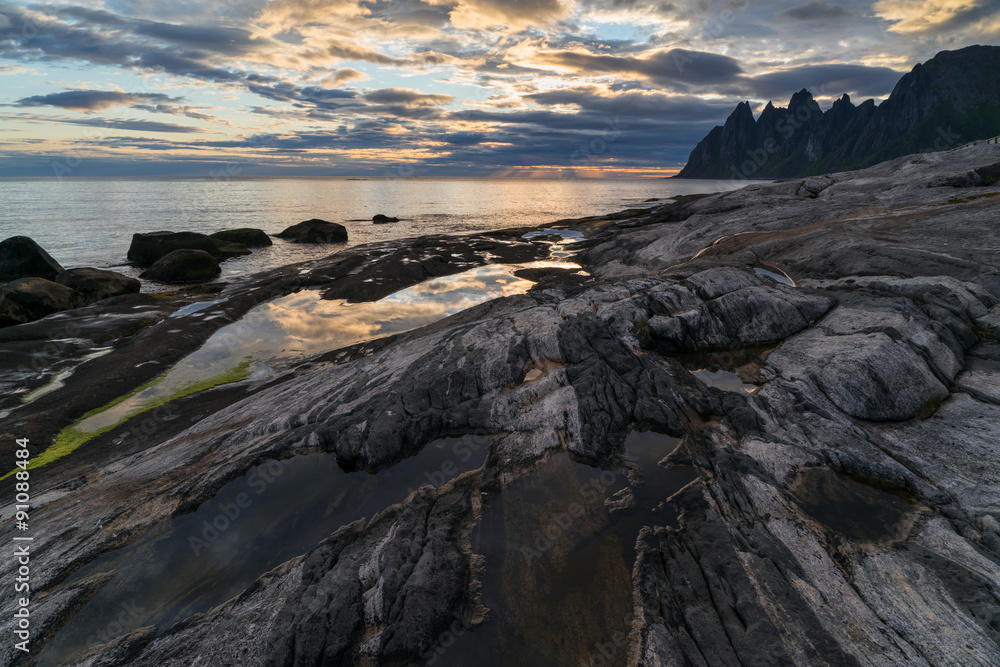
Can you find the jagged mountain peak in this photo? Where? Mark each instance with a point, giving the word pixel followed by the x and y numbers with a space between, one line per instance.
pixel 951 99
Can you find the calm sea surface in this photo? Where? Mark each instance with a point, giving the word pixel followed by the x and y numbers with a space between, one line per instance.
pixel 90 222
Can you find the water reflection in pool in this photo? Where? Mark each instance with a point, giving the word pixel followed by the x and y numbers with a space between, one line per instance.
pixel 558 563
pixel 285 330
pixel 277 511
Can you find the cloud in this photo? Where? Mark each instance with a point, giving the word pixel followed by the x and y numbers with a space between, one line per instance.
pixel 93 100
pixel 220 40
pixel 407 97
pixel 663 67
pixel 515 15
pixel 633 104
pixel 344 75
pixel 134 125
pixel 820 80
pixel 279 16
pixel 935 16
pixel 113 124
pixel 816 10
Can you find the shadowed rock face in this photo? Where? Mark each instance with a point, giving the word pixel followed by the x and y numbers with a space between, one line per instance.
pixel 845 512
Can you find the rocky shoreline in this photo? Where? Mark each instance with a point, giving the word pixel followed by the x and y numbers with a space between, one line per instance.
pixel 841 507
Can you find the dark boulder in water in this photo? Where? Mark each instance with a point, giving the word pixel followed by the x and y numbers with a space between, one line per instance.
pixel 148 247
pixel 29 299
pixel 383 219
pixel 183 266
pixel 315 231
pixel 97 284
pixel 21 257
pixel 248 236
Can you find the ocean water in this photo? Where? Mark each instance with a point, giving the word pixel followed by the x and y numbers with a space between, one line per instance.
pixel 90 222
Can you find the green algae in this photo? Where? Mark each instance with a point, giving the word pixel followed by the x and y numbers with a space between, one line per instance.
pixel 72 438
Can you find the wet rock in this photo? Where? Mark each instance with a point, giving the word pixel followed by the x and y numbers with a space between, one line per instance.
pixel 384 593
pixel 315 231
pixel 28 299
pixel 148 247
pixel 228 250
pixel 21 257
pixel 380 219
pixel 97 284
pixel 247 236
pixel 183 266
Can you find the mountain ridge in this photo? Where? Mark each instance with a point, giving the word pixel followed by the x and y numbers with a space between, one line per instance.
pixel 947 101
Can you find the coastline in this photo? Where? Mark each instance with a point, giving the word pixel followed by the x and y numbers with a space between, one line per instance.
pixel 885 348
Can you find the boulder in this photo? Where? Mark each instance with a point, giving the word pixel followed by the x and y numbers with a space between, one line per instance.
pixel 21 257
pixel 315 231
pixel 97 284
pixel 251 238
pixel 228 250
pixel 147 248
pixel 383 219
pixel 29 299
pixel 183 266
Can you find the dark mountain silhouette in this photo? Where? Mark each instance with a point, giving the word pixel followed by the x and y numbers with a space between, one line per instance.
pixel 952 99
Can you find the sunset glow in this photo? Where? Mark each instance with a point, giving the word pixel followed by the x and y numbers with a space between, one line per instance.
pixel 430 87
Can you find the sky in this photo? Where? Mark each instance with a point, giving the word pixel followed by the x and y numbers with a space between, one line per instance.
pixel 347 88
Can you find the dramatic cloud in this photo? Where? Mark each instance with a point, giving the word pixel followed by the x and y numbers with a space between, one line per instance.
pixel 455 86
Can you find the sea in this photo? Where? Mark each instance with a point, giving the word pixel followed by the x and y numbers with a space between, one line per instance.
pixel 90 222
